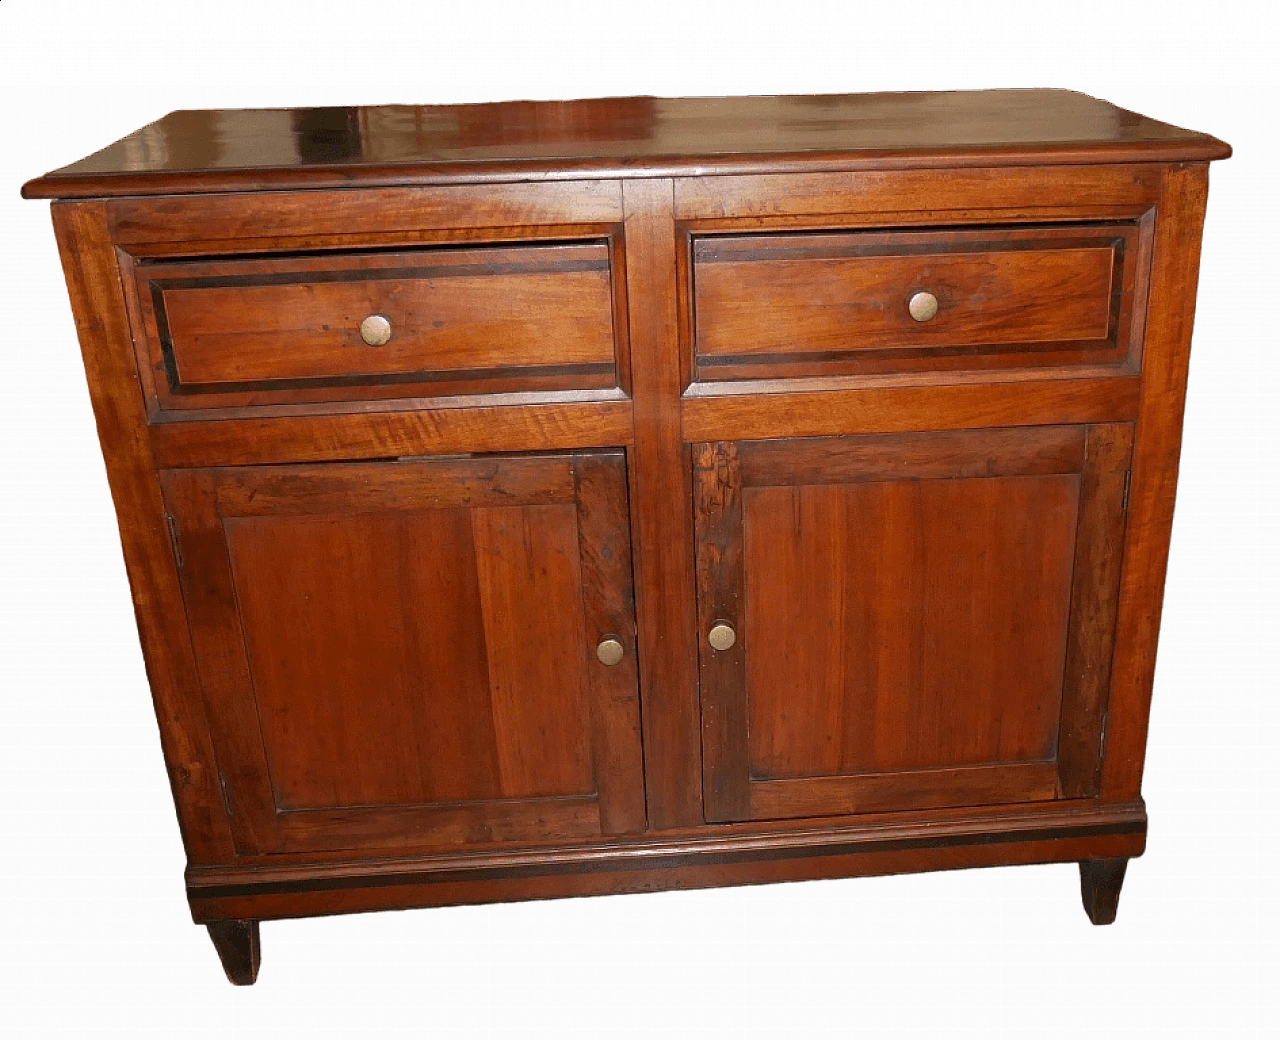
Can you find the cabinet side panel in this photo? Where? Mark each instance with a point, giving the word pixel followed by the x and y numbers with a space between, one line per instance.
pixel 1157 445
pixel 97 301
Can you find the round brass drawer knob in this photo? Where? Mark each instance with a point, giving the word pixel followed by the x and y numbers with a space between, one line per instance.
pixel 610 650
pixel 923 306
pixel 722 636
pixel 375 330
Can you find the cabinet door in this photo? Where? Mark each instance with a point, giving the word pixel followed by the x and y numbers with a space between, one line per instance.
pixel 401 654
pixel 917 620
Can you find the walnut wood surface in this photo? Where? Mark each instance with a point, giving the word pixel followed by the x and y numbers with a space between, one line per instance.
pixel 1095 596
pixel 239 948
pixel 1100 883
pixel 1166 363
pixel 237 150
pixel 816 293
pixel 496 423
pixel 308 220
pixel 949 195
pixel 730 854
pixel 397 652
pixel 905 608
pixel 660 512
pixel 680 390
pixel 93 282
pixel 455 314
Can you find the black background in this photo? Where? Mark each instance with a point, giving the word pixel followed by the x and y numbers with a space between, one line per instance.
pixel 101 863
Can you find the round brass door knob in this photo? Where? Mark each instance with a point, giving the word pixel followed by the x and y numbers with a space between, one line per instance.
pixel 722 636
pixel 375 330
pixel 923 306
pixel 610 650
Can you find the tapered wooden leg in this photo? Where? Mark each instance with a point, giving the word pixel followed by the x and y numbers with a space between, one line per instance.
pixel 238 948
pixel 1100 881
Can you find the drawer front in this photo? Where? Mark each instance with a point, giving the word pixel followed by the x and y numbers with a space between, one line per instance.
pixel 824 303
pixel 453 320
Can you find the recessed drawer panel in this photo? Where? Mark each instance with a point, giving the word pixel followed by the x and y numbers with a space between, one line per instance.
pixel 885 301
pixel 379 324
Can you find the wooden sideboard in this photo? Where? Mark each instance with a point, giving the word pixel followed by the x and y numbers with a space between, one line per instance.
pixel 556 498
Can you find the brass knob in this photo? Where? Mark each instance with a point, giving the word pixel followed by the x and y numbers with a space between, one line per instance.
pixel 375 330
pixel 722 636
pixel 923 306
pixel 610 650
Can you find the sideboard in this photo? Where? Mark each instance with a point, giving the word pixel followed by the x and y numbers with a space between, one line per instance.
pixel 555 498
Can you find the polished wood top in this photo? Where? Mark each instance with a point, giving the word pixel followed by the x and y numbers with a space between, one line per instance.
pixel 236 150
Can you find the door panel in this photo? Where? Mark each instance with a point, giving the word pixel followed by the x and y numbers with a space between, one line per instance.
pixel 304 632
pixel 921 619
pixel 403 653
pixel 896 577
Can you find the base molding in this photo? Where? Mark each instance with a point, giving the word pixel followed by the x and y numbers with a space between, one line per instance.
pixel 703 858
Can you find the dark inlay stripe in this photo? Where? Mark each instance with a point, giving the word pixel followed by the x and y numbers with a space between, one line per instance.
pixel 1098 346
pixel 836 245
pixel 379 274
pixel 459 375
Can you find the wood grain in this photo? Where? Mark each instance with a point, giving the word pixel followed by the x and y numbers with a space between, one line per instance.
pixel 1100 882
pixel 661 519
pixel 723 411
pixel 1104 481
pixel 831 294
pixel 93 282
pixel 608 597
pixel 948 195
pixel 214 221
pixel 906 604
pixel 218 328
pixel 239 948
pixel 1157 446
pixel 717 509
pixel 765 852
pixel 672 385
pixel 360 487
pixel 208 586
pixel 405 708
pixel 949 454
pixel 907 789
pixel 380 830
pixel 528 140
pixel 901 829
pixel 535 632
pixel 398 652
pixel 475 426
pixel 934 627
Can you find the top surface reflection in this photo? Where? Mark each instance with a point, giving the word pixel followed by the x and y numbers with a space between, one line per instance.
pixel 635 130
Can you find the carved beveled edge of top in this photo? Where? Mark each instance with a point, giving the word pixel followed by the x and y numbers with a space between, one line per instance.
pixel 420 175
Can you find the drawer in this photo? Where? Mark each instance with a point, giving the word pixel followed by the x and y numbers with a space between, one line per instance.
pixel 383 324
pixel 839 302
